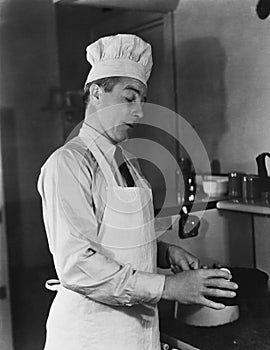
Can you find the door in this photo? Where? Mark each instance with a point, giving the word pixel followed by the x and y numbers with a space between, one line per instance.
pixel 5 312
pixel 153 142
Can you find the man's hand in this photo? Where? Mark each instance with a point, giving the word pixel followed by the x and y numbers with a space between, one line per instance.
pixel 193 287
pixel 181 260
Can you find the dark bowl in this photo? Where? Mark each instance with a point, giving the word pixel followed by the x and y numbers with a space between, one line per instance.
pixel 252 284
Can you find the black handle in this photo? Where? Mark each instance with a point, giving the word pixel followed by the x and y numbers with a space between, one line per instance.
pixel 188 225
pixel 260 159
pixel 263 9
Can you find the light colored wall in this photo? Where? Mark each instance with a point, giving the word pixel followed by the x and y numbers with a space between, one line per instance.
pixel 223 75
pixel 29 69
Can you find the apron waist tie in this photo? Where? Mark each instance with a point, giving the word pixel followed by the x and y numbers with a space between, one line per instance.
pixel 53 285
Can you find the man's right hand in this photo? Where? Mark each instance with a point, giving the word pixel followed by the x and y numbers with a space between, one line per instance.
pixel 194 286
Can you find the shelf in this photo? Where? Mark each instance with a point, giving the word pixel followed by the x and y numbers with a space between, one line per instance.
pixel 253 207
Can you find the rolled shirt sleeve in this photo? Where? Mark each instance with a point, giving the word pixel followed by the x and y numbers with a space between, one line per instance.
pixel 71 224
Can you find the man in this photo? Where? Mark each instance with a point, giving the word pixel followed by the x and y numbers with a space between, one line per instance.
pixel 99 220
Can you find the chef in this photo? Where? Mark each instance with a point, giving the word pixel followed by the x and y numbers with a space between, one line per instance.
pixel 98 215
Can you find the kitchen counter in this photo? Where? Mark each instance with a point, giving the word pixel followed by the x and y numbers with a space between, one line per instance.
pixel 250 332
pixel 261 207
pixel 253 207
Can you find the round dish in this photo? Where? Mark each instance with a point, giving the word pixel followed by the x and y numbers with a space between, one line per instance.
pixel 215 186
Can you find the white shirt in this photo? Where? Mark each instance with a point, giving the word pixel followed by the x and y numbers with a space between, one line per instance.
pixel 72 188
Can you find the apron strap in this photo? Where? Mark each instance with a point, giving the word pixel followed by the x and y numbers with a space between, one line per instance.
pixel 102 162
pixel 53 285
pixel 140 180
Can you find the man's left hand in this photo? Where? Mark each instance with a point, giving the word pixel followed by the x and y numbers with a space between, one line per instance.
pixel 181 260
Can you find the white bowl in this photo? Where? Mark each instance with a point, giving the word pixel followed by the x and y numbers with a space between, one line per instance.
pixel 215 186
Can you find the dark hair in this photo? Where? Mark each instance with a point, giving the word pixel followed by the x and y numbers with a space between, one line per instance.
pixel 106 83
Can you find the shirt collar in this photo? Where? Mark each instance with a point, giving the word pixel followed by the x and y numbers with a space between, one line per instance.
pixel 90 134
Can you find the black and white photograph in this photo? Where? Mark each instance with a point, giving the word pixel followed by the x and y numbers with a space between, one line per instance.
pixel 134 174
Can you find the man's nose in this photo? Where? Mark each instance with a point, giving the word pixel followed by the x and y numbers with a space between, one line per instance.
pixel 138 110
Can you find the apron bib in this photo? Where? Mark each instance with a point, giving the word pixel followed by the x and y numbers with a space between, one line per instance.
pixel 127 235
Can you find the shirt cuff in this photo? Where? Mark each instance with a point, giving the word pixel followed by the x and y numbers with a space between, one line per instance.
pixel 148 288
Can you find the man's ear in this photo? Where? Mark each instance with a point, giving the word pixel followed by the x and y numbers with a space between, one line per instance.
pixel 95 93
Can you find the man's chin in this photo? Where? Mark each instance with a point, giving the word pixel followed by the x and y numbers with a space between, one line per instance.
pixel 123 137
pixel 119 137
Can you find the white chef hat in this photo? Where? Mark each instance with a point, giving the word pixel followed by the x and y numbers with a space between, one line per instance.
pixel 124 55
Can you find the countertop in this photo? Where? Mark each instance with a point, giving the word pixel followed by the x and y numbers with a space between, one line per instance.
pixel 259 206
pixel 254 207
pixel 250 332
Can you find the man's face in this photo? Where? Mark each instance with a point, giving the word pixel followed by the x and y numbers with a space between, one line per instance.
pixel 121 108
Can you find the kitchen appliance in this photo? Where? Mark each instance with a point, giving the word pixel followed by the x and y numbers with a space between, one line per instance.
pixel 252 285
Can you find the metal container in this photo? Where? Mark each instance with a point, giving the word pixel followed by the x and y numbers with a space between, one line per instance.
pixel 251 187
pixel 235 184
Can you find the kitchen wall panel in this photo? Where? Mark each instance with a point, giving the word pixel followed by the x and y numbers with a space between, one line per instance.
pixel 29 69
pixel 262 243
pixel 28 72
pixel 223 78
pixel 224 237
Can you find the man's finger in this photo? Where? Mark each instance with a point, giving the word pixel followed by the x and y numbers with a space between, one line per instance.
pixel 220 283
pixel 175 269
pixel 215 273
pixel 194 264
pixel 219 293
pixel 212 304
pixel 184 265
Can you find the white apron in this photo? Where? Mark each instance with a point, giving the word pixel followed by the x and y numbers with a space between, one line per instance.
pixel 127 235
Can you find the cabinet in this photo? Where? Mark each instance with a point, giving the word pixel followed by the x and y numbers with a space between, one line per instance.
pixel 262 243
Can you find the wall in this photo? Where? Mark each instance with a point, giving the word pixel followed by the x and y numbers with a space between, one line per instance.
pixel 29 69
pixel 29 133
pixel 223 76
pixel 74 25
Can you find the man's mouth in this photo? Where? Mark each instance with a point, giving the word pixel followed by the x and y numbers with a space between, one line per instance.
pixel 130 125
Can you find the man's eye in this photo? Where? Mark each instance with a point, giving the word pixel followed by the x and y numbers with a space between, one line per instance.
pixel 130 99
